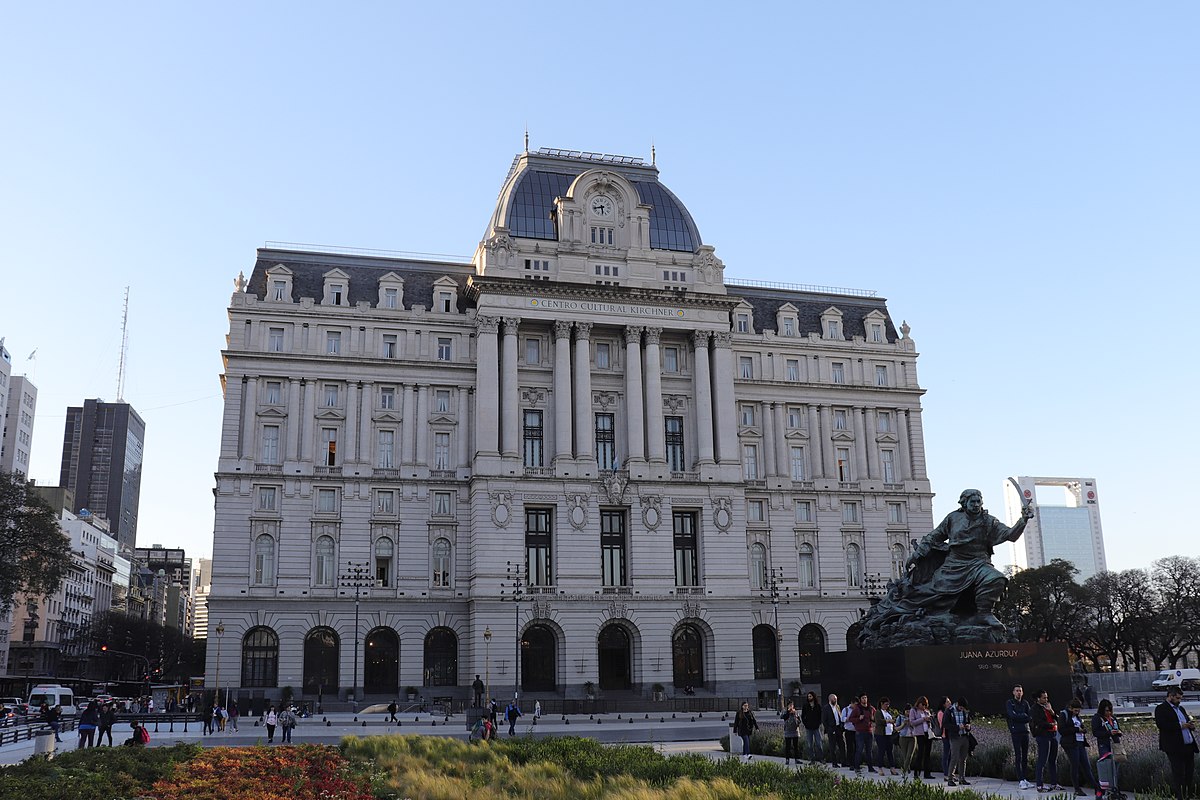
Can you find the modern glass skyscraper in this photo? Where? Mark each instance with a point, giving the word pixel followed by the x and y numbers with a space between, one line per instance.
pixel 1071 532
pixel 102 464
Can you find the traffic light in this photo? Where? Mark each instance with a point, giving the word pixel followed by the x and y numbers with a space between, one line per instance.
pixel 103 648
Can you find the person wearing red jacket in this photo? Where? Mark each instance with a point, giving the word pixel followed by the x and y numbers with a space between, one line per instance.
pixel 862 717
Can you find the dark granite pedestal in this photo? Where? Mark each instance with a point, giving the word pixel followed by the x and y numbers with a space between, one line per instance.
pixel 982 673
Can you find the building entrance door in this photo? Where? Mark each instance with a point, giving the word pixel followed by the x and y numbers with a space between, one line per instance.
pixel 614 657
pixel 381 662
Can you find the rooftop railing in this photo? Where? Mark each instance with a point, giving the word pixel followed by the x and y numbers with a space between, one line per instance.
pixel 800 287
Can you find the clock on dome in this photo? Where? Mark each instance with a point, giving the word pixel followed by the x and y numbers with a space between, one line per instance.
pixel 602 206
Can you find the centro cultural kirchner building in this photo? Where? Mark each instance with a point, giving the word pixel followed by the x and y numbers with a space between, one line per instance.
pixel 589 400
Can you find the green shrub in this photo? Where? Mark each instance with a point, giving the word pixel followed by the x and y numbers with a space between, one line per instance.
pixel 92 773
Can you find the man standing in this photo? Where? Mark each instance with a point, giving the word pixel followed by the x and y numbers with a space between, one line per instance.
pixel 862 715
pixel 512 714
pixel 1017 711
pixel 810 715
pixel 1177 738
pixel 478 687
pixel 831 720
pixel 392 709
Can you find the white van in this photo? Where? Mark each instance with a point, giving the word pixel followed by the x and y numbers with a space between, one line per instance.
pixel 53 695
pixel 1183 678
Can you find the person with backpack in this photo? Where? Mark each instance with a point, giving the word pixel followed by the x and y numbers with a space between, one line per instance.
pixel 287 721
pixel 512 714
pixel 791 734
pixel 744 726
pixel 271 719
pixel 140 737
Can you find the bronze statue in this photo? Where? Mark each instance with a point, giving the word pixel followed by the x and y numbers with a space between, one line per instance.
pixel 950 586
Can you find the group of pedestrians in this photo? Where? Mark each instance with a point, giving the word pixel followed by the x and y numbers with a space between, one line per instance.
pixel 96 722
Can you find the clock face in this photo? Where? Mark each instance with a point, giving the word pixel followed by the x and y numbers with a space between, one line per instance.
pixel 602 206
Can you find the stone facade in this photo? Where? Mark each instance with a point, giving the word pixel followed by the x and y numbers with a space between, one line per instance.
pixel 589 403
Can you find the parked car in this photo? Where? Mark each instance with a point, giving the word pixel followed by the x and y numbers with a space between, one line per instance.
pixel 8 716
pixel 16 704
pixel 52 694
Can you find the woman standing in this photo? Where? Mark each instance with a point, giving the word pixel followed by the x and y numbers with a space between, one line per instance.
pixel 884 725
pixel 1075 743
pixel 920 724
pixel 744 725
pixel 810 715
pixel 1107 732
pixel 791 734
pixel 89 720
pixel 908 743
pixel 1044 727
pixel 940 722
pixel 271 719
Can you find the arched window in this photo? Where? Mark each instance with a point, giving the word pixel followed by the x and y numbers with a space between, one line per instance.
pixel 260 657
pixel 854 569
pixel 325 561
pixel 264 559
pixel 614 653
pixel 899 557
pixel 687 656
pixel 812 648
pixel 808 567
pixel 539 659
pixel 320 661
pixel 441 563
pixel 381 662
pixel 383 562
pixel 765 652
pixel 441 657
pixel 758 566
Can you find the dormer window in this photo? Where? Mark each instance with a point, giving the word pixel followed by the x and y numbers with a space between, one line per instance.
pixel 337 293
pixel 876 332
pixel 391 292
pixel 831 324
pixel 742 324
pixel 390 296
pixel 445 296
pixel 445 302
pixel 279 284
pixel 787 321
pixel 278 290
pixel 789 326
pixel 833 330
pixel 337 288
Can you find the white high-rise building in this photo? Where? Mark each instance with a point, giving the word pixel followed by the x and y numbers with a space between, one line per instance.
pixel 1070 531
pixel 16 439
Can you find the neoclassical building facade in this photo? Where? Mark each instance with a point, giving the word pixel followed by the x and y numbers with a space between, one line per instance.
pixel 588 416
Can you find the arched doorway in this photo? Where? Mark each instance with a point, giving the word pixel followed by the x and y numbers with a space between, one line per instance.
pixel 441 658
pixel 812 648
pixel 260 658
pixel 539 657
pixel 320 661
pixel 381 662
pixel 687 656
pixel 765 653
pixel 615 657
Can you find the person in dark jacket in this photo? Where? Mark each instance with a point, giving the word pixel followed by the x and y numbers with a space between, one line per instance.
pixel 1177 738
pixel 1043 726
pixel 89 720
pixel 108 719
pixel 810 717
pixel 791 734
pixel 1017 712
pixel 1073 733
pixel 1107 731
pixel 831 721
pixel 744 725
pixel 862 717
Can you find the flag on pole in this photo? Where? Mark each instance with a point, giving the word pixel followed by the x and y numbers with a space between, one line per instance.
pixel 32 355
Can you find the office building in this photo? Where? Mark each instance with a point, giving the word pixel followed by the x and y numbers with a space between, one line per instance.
pixel 16 432
pixel 1068 530
pixel 102 463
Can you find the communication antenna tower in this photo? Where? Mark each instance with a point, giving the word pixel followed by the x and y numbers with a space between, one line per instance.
pixel 124 348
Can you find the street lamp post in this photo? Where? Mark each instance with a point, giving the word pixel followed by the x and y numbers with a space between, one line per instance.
pixel 220 632
pixel 355 577
pixel 487 662
pixel 777 593
pixel 514 589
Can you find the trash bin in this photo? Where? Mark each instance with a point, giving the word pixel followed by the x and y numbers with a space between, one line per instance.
pixel 43 744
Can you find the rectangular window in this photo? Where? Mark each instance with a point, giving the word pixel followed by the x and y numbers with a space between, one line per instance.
pixel 755 511
pixel 881 378
pixel 795 417
pixel 329 446
pixel 799 471
pixel 441 401
pixel 445 302
pixel 538 564
pixel 876 332
pixel 747 414
pixel 746 366
pixel 387 398
pixel 390 298
pixel 390 348
pixel 834 329
pixel 671 359
pixel 883 421
pixel 533 351
pixel 888 459
pixel 895 513
pixel 808 569
pixel 843 464
pixel 441 451
pixel 327 501
pixel 280 293
pixel 793 369
pixel 750 461
pixel 270 444
pixel 789 326
pixel 804 511
pixel 331 395
pixel 441 504
pixel 266 498
pixel 674 433
pixel 612 548
pixel 603 360
pixel 850 512
pixel 333 342
pixel 275 340
pixel 387 449
pixel 383 562
pixel 743 323
pixel 444 348
pixel 602 235
pixel 840 419
pixel 274 393
pixel 838 372
pixel 385 501
pixel 532 437
pixel 684 530
pixel 606 442
pixel 336 293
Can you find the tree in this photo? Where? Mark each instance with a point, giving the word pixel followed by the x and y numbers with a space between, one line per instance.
pixel 35 555
pixel 1174 630
pixel 1045 604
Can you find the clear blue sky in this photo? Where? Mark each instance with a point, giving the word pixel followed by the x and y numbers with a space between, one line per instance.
pixel 1018 179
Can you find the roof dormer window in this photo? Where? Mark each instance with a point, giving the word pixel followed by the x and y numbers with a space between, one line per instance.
pixel 279 283
pixel 337 288
pixel 445 296
pixel 831 325
pixel 391 292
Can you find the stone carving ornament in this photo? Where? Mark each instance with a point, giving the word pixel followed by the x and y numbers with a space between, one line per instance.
pixel 722 515
pixel 614 485
pixel 562 329
pixel 691 608
pixel 501 508
pixel 486 324
pixel 651 511
pixel 578 512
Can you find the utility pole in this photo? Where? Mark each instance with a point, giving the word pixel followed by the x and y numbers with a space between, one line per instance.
pixel 357 577
pixel 514 589
pixel 777 593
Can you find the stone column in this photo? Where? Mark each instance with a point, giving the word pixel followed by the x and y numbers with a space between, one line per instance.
pixel 366 404
pixel 406 405
pixel 769 452
pixel 562 391
pixel 815 451
pixel 249 418
pixel 422 425
pixel 487 386
pixel 702 381
pixel 916 446
pixel 293 420
pixel 351 453
pixel 872 445
pixel 860 445
pixel 784 454
pixel 309 443
pixel 635 432
pixel 585 449
pixel 827 443
pixel 723 406
pixel 510 429
pixel 904 461
pixel 656 435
